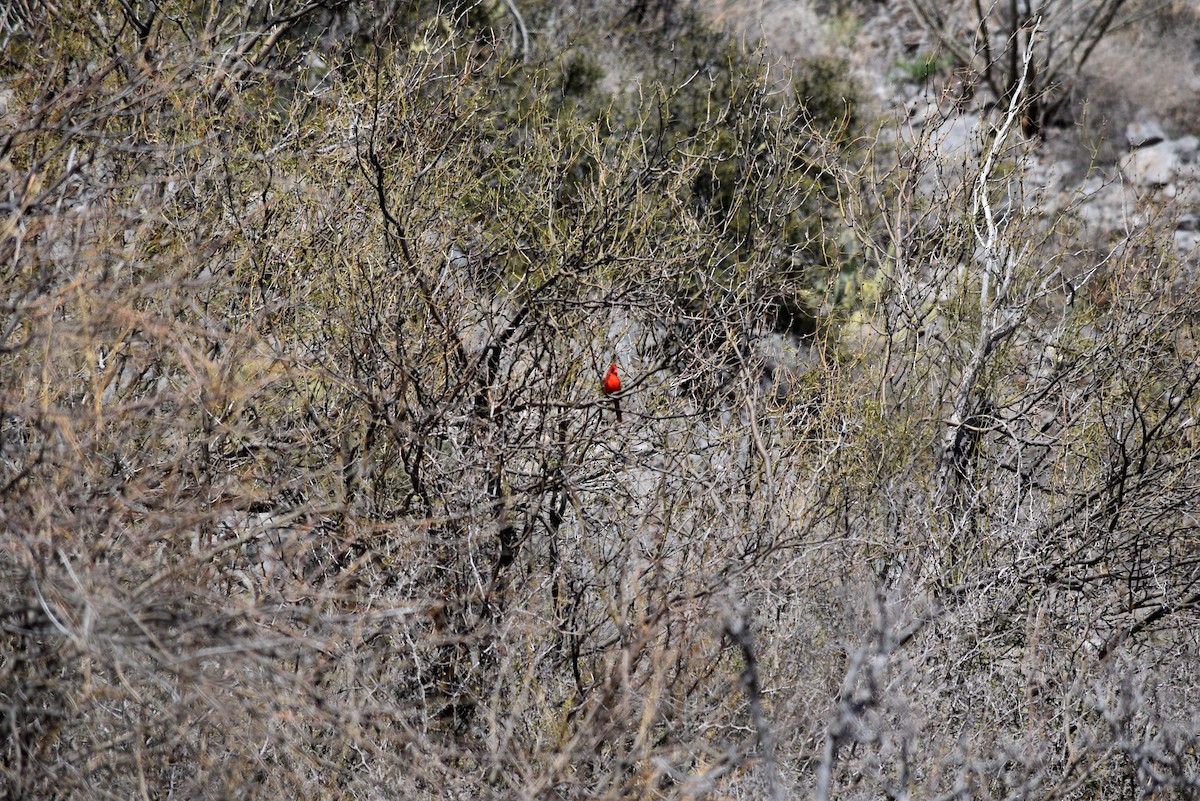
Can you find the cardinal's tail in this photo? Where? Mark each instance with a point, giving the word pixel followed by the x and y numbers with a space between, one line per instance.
pixel 617 409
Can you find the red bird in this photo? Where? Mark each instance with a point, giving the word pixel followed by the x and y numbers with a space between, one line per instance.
pixel 612 385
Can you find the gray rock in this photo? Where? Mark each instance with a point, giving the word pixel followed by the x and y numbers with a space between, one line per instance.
pixel 1105 206
pixel 958 138
pixel 1144 133
pixel 1186 147
pixel 1156 165
pixel 1187 241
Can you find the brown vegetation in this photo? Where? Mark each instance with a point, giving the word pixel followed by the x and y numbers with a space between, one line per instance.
pixel 308 488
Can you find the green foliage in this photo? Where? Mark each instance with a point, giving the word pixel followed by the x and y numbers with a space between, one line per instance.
pixel 921 66
pixel 710 128
pixel 827 98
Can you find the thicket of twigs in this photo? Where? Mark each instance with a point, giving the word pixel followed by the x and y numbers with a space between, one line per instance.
pixel 307 489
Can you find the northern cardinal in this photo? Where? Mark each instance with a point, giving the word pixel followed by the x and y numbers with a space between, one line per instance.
pixel 612 385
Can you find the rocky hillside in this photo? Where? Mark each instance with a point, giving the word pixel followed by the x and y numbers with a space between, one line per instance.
pixel 1122 149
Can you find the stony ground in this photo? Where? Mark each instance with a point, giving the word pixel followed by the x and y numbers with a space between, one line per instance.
pixel 1128 153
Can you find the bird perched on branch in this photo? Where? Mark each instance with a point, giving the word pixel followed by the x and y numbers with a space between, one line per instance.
pixel 611 384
